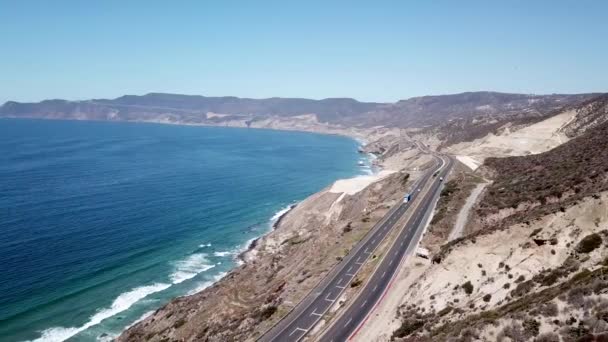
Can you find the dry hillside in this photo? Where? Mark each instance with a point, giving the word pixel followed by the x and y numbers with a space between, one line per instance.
pixel 534 266
pixel 528 187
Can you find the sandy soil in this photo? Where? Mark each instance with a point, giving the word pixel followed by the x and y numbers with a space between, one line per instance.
pixel 463 215
pixel 469 162
pixel 432 286
pixel 352 186
pixel 533 139
pixel 497 259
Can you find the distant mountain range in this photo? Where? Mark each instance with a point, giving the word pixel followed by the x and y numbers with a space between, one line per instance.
pixel 193 109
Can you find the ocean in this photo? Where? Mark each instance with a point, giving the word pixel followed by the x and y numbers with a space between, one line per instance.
pixel 101 223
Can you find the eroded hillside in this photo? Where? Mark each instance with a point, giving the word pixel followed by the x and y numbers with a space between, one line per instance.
pixel 532 266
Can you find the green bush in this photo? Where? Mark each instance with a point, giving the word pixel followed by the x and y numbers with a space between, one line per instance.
pixel 467 287
pixel 589 243
pixel 267 312
pixel 531 327
pixel 408 327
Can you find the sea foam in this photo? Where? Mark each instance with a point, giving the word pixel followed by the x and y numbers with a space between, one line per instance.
pixel 120 304
pixel 280 213
pixel 190 267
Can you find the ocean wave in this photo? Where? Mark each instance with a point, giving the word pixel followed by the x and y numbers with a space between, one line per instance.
pixel 223 253
pixel 280 213
pixel 123 302
pixel 190 267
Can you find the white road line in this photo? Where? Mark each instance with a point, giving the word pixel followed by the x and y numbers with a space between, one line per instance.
pixel 383 274
pixel 297 329
pixel 390 263
pixel 350 268
pixel 365 302
pixel 375 287
pixel 350 274
pixel 373 241
pixel 347 323
pixel 341 287
pixel 329 300
pixel 314 312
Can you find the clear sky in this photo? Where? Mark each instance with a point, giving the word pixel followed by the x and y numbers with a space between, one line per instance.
pixel 369 50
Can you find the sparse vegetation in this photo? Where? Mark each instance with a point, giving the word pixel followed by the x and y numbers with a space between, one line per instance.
pixel 179 323
pixel 564 175
pixel 408 326
pixel 589 243
pixel 531 327
pixel 467 287
pixel 266 312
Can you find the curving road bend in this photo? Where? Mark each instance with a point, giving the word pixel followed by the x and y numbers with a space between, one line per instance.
pixel 303 318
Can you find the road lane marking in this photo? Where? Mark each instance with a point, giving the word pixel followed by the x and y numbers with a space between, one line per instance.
pixel 350 268
pixel 375 287
pixel 350 274
pixel 314 312
pixel 347 323
pixel 390 263
pixel 297 329
pixel 383 274
pixel 373 241
pixel 341 287
pixel 365 302
pixel 330 300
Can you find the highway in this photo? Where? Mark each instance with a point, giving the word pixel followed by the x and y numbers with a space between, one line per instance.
pixel 303 318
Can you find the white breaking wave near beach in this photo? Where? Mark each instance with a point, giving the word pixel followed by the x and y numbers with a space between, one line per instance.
pixel 185 269
pixel 280 213
pixel 190 267
pixel 120 304
pixel 223 253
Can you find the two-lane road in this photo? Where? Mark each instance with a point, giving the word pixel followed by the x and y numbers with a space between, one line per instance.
pixel 305 315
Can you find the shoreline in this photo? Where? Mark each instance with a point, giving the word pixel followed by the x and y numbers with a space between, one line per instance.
pixel 272 223
pixel 357 137
pixel 241 259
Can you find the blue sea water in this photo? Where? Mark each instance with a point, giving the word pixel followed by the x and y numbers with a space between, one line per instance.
pixel 101 223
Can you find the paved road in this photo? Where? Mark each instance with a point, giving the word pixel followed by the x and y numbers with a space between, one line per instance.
pixel 375 287
pixel 306 314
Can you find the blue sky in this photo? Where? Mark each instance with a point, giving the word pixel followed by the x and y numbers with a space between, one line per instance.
pixel 369 50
